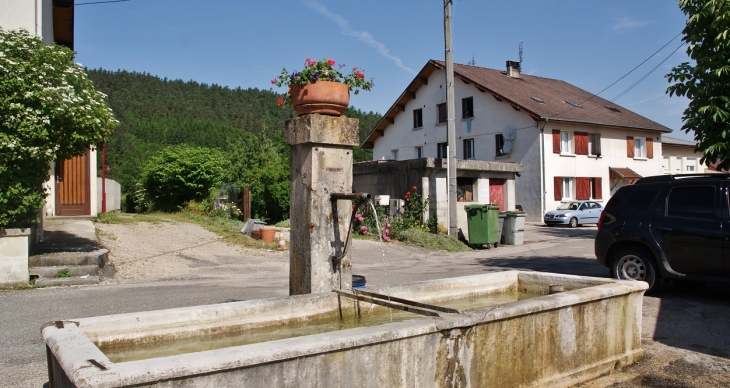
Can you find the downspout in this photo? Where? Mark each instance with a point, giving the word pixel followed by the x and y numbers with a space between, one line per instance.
pixel 542 167
pixel 37 9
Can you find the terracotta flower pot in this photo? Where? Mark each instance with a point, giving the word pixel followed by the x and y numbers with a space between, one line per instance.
pixel 323 97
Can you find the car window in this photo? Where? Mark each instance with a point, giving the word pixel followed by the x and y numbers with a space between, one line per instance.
pixel 583 206
pixel 639 201
pixel 568 206
pixel 692 202
pixel 596 205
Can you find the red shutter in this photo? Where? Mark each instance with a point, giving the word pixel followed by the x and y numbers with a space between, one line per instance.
pixel 630 146
pixel 581 143
pixel 556 141
pixel 597 189
pixel 582 188
pixel 649 148
pixel 558 189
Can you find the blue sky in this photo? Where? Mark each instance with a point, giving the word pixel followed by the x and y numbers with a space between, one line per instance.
pixel 233 43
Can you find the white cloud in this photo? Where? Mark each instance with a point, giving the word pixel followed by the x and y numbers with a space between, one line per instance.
pixel 625 24
pixel 362 36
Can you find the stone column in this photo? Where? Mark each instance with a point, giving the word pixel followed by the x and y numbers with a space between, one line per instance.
pixel 321 164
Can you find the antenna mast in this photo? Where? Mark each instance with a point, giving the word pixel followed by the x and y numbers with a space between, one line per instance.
pixel 520 54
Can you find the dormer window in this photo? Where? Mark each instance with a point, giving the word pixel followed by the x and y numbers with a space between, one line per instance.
pixel 575 104
pixel 538 100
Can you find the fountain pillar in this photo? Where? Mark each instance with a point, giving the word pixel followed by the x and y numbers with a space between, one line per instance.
pixel 321 164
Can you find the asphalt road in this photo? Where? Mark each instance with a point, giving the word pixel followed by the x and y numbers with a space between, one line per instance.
pixel 690 323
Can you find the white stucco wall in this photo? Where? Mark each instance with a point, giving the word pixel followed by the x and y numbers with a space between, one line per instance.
pixel 36 16
pixel 613 154
pixel 677 160
pixel 532 146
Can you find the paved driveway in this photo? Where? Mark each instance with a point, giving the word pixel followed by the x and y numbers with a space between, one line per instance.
pixel 685 336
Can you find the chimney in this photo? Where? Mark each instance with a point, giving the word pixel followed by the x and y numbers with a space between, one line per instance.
pixel 513 69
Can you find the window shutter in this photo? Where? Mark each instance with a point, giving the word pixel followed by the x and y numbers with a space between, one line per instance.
pixel 558 183
pixel 581 143
pixel 582 188
pixel 649 148
pixel 597 189
pixel 556 141
pixel 630 146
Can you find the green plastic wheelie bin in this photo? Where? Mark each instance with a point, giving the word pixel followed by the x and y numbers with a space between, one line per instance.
pixel 483 223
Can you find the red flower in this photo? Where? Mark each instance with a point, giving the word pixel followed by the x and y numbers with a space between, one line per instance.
pixel 331 62
pixel 415 188
pixel 273 81
pixel 280 101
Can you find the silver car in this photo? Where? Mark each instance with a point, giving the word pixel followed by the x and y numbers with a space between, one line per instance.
pixel 574 213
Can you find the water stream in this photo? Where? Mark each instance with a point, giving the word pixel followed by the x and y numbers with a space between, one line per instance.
pixel 382 251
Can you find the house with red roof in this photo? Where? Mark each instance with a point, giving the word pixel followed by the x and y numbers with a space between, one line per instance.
pixel 571 144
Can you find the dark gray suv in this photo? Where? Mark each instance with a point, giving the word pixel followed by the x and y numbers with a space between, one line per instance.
pixel 669 226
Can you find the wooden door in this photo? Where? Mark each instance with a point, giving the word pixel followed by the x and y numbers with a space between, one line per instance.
pixel 496 192
pixel 73 187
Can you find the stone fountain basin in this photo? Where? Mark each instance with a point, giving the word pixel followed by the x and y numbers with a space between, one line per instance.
pixel 556 340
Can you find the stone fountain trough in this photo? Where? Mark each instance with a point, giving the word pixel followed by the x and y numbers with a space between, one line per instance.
pixel 556 340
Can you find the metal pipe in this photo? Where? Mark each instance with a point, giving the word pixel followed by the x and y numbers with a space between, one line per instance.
pixel 364 197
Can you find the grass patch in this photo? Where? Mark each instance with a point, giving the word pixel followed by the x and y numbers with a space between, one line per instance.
pixel 432 241
pixel 284 224
pixel 64 273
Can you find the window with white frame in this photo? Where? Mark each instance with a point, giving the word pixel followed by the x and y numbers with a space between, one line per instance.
pixel 467 107
pixel 567 188
pixel 691 165
pixel 594 144
pixel 468 148
pixel 639 147
pixel 419 152
pixel 441 112
pixel 566 142
pixel 394 154
pixel 418 118
pixel 441 150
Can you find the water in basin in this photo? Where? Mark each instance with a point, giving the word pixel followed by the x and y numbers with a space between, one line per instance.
pixel 228 337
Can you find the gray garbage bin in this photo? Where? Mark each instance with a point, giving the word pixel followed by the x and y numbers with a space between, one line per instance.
pixel 514 228
pixel 502 216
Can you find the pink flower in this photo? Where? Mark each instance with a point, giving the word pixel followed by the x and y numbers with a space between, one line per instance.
pixel 386 238
pixel 358 217
pixel 387 226
pixel 273 81
pixel 363 229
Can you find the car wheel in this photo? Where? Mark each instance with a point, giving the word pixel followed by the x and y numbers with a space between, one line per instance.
pixel 634 264
pixel 573 222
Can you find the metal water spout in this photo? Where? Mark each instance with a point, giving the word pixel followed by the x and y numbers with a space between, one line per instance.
pixel 338 264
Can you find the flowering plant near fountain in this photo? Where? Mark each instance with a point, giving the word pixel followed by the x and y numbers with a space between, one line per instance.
pixel 410 218
pixel 323 70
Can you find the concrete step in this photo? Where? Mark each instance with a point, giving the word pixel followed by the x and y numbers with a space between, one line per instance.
pixel 74 270
pixel 99 258
pixel 70 281
pixel 615 379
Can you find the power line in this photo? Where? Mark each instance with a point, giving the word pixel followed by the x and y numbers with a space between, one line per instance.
pixel 102 2
pixel 625 75
pixel 646 75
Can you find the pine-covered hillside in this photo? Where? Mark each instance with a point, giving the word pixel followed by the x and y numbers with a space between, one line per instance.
pixel 154 113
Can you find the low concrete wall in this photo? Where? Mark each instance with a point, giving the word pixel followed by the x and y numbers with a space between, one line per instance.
pixel 554 340
pixel 113 195
pixel 14 257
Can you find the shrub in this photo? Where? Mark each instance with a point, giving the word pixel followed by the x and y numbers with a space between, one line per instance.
pixel 179 174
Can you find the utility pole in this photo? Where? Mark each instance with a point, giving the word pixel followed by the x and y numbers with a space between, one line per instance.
pixel 450 122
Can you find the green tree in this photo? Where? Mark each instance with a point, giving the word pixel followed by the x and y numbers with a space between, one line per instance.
pixel 707 83
pixel 49 110
pixel 179 174
pixel 260 164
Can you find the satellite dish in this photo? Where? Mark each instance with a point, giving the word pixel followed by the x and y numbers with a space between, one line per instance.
pixel 507 146
pixel 509 132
